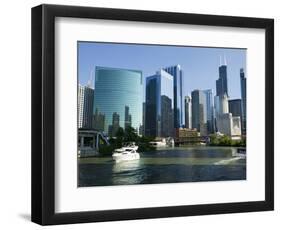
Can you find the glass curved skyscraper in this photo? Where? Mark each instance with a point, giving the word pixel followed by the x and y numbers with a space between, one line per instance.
pixel 118 97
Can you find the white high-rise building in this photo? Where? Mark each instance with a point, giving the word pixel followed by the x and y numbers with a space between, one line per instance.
pixel 85 107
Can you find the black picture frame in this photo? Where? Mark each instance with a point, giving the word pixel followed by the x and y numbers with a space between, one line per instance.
pixel 43 114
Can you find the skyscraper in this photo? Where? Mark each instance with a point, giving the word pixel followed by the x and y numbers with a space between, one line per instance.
pixel 209 110
pixel 114 90
pixel 243 82
pixel 199 115
pixel 159 105
pixel 222 116
pixel 187 112
pixel 177 74
pixel 221 83
pixel 85 107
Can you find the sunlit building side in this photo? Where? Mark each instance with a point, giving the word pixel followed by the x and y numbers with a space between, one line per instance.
pixel 177 74
pixel 243 82
pixel 85 107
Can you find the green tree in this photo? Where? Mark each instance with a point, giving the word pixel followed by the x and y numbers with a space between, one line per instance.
pixel 120 135
pixel 214 140
pixel 131 135
pixel 226 141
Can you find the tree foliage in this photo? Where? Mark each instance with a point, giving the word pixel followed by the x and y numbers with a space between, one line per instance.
pixel 224 140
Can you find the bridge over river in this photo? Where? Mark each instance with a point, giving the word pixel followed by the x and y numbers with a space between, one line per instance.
pixel 89 142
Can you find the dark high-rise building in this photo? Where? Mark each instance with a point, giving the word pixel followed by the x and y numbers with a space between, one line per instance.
pixel 159 105
pixel 150 124
pixel 177 74
pixel 221 83
pixel 243 81
pixel 221 99
pixel 187 112
pixel 167 126
pixel 199 116
pixel 235 107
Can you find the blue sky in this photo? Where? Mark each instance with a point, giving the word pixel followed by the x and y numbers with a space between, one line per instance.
pixel 200 64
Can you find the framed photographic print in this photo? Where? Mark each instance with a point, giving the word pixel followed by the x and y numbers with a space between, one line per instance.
pixel 143 114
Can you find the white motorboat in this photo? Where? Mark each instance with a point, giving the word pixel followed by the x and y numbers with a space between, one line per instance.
pixel 126 153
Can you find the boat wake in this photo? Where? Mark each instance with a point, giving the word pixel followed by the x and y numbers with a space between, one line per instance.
pixel 228 161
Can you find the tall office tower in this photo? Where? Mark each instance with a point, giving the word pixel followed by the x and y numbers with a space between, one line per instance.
pixel 243 81
pixel 159 105
pixel 221 98
pixel 177 74
pixel 209 110
pixel 116 89
pixel 221 83
pixel 187 112
pixel 235 107
pixel 85 107
pixel 199 115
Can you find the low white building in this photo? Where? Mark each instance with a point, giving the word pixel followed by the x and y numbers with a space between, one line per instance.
pixel 236 128
pixel 228 125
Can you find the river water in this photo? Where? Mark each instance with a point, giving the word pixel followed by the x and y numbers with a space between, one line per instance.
pixel 169 165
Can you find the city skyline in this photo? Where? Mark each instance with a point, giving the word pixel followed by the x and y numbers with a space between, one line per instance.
pixel 197 63
pixel 161 97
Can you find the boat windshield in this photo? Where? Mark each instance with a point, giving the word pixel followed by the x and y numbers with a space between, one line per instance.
pixel 128 150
